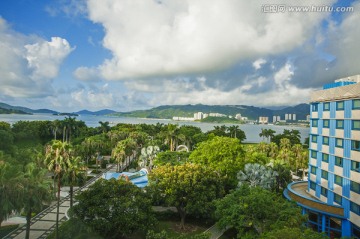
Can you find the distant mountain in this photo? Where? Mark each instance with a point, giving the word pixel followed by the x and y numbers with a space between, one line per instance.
pixel 99 112
pixel 252 112
pixel 11 111
pixel 45 111
pixel 26 110
pixel 169 111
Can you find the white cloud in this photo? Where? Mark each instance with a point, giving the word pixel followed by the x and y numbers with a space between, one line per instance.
pixel 91 99
pixel 28 63
pixel 148 38
pixel 45 57
pixel 87 74
pixel 258 63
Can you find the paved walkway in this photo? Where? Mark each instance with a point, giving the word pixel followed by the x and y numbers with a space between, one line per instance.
pixel 215 232
pixel 44 223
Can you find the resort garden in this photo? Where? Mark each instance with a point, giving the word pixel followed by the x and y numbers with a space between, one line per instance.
pixel 196 180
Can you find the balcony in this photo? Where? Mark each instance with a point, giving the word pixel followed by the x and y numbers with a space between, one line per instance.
pixel 297 191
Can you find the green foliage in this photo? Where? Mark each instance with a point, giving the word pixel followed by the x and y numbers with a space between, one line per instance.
pixel 293 135
pixel 293 233
pixel 172 158
pixel 114 208
pixel 4 230
pixel 254 211
pixel 224 154
pixel 256 175
pixel 232 131
pixel 10 189
pixel 75 229
pixel 163 235
pixel 191 188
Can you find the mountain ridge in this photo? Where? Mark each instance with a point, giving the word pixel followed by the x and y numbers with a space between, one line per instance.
pixel 169 111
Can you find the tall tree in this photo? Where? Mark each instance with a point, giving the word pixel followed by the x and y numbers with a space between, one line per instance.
pixel 10 189
pixel 191 188
pixel 267 133
pixel 57 159
pixel 104 126
pixel 223 154
pixel 36 191
pixel 75 173
pixel 253 211
pixel 115 208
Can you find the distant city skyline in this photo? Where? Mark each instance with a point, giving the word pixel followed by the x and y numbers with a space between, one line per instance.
pixel 127 55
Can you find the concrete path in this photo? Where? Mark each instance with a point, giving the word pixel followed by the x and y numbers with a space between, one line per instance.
pixel 215 231
pixel 44 223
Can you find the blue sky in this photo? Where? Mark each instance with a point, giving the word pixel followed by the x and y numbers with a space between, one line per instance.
pixel 70 55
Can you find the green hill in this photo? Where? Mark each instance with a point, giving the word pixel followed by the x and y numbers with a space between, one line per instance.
pixel 252 112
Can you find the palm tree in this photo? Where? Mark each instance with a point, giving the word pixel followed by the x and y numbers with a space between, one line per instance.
pixel 69 125
pixel 267 133
pixel 118 153
pixel 104 126
pixel 297 150
pixel 57 159
pixel 75 173
pixel 170 133
pixel 233 130
pixel 36 191
pixel 55 127
pixel 285 153
pixel 10 189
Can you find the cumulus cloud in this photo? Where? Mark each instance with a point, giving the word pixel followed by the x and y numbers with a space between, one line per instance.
pixel 28 63
pixel 45 57
pixel 167 38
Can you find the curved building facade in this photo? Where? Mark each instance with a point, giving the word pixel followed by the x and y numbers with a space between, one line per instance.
pixel 331 196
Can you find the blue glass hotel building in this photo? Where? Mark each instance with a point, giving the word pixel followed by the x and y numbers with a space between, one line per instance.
pixel 331 196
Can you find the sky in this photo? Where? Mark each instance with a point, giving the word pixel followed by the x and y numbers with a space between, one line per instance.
pixel 124 55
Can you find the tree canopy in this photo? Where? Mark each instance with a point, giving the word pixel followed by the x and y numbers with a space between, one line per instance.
pixel 191 188
pixel 223 154
pixel 253 211
pixel 114 208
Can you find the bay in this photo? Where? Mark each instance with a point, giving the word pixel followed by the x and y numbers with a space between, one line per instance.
pixel 252 131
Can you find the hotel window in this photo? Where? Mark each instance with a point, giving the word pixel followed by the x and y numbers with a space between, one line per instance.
pixel 355 145
pixel 314 138
pixel 325 140
pixel 355 125
pixel 326 123
pixel 313 170
pixel 324 191
pixel 327 106
pixel 355 166
pixel 315 106
pixel 338 161
pixel 325 157
pixel 339 124
pixel 324 174
pixel 356 104
pixel 340 105
pixel 314 122
pixel 338 180
pixel 354 208
pixel 339 143
pixel 337 198
pixel 312 185
pixel 355 187
pixel 313 154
